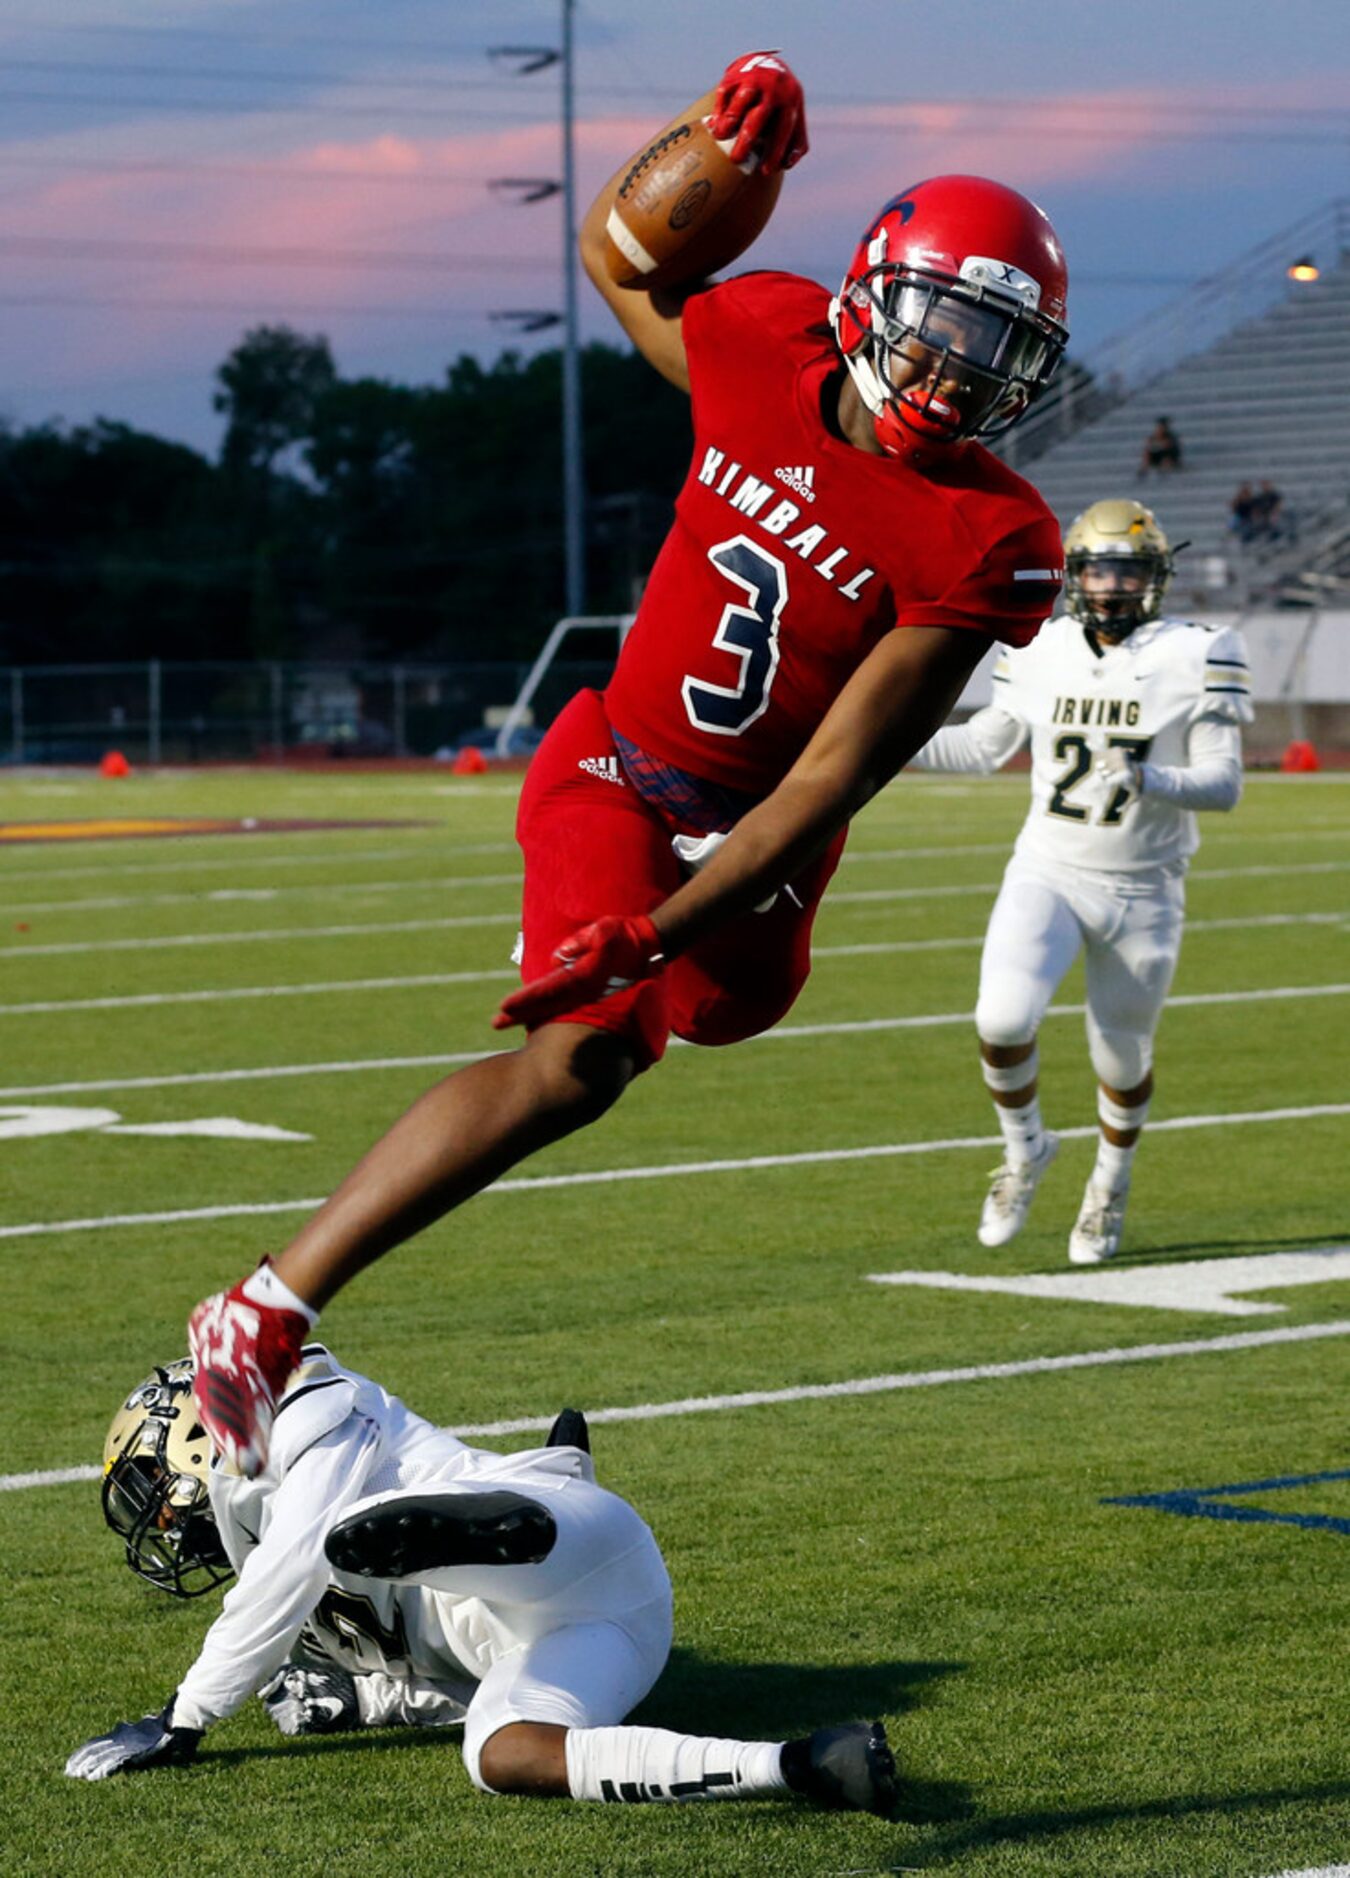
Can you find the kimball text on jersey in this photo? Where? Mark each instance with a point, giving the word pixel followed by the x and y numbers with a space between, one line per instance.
pixel 747 494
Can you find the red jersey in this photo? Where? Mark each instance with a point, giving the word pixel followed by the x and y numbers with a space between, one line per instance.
pixel 793 552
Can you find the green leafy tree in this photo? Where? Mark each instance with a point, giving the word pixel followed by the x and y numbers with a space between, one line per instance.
pixel 269 388
pixel 418 522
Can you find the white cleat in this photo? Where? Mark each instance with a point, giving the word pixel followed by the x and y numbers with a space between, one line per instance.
pixel 1101 1220
pixel 1010 1195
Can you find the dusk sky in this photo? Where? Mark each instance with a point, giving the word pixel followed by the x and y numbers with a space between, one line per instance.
pixel 171 174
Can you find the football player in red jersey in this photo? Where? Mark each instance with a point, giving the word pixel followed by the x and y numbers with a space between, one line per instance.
pixel 843 552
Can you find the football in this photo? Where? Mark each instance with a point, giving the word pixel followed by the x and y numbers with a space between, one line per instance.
pixel 684 209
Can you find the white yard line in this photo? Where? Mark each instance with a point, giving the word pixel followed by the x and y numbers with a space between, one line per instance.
pixel 784 1033
pixel 311 890
pixel 283 851
pixel 1261 873
pixel 347 889
pixel 128 866
pixel 676 1170
pixel 226 994
pixel 148 942
pixel 977 939
pixel 1313 1871
pixel 861 1386
pixel 66 948
pixel 855 896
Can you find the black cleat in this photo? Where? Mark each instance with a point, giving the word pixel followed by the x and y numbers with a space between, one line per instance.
pixel 570 1431
pixel 851 1766
pixel 429 1531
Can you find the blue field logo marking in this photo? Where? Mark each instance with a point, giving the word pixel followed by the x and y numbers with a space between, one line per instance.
pixel 1215 1502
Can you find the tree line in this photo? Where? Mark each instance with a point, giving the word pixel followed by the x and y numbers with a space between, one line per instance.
pixel 349 517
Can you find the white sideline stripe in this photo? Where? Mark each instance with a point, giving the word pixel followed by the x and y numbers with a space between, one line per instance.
pixel 947 945
pixel 48 1477
pixel 277 856
pixel 853 857
pixel 784 1033
pixel 313 890
pixel 149 943
pixel 678 1170
pixel 68 947
pixel 348 888
pixel 253 991
pixel 855 896
pixel 863 1385
pixel 1318 1871
pixel 227 993
pixel 1254 873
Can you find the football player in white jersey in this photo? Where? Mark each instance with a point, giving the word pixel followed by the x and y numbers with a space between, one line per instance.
pixel 389 1574
pixel 1134 724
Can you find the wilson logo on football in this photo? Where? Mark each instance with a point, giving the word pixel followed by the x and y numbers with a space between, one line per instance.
pixel 800 479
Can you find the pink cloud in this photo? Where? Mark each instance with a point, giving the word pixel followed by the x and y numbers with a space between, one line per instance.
pixel 368 200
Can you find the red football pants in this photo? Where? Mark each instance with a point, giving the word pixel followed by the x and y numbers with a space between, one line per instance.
pixel 592 846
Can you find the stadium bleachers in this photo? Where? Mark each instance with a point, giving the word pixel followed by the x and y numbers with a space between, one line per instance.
pixel 1267 400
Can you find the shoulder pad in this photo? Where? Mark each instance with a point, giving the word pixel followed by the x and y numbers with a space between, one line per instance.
pixel 318 1399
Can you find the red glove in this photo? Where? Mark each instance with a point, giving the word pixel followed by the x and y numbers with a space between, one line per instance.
pixel 760 103
pixel 600 959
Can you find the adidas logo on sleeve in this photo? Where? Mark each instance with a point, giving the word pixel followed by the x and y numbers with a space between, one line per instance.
pixel 605 767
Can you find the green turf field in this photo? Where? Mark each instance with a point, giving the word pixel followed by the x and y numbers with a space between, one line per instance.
pixel 1072 1686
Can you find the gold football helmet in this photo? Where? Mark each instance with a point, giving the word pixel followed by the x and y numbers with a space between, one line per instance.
pixel 1117 567
pixel 156 1461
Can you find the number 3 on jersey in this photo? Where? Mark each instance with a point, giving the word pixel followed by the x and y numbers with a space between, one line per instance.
pixel 748 629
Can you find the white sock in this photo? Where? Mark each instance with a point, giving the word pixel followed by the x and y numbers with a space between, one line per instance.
pixel 1115 1164
pixel 1022 1128
pixel 656 1764
pixel 264 1287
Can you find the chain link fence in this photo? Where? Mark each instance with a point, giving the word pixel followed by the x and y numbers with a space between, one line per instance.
pixel 167 712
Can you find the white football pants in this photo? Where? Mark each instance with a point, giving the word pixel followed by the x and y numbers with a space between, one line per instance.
pixel 1042 918
pixel 578 1638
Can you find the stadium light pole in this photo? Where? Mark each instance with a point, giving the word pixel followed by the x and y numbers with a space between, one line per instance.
pixel 537 59
pixel 574 481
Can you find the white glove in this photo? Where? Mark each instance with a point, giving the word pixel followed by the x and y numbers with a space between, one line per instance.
pixel 151 1742
pixel 1117 767
pixel 311 1701
pixel 694 852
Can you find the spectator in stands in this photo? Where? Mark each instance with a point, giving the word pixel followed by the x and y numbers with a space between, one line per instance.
pixel 1162 449
pixel 1242 513
pixel 1268 522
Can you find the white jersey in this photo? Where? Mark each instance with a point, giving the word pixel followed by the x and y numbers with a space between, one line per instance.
pixel 1172 695
pixel 337 1439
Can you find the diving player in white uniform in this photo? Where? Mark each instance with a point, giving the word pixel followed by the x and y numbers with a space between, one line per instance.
pixel 1134 724
pixel 389 1574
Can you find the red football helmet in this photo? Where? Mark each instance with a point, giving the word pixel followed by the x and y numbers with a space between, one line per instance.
pixel 952 315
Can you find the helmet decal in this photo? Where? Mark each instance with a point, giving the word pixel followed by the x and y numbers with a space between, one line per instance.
pixel 950 319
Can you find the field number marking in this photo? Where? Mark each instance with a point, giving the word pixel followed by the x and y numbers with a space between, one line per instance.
pixel 1188 1285
pixel 23 1121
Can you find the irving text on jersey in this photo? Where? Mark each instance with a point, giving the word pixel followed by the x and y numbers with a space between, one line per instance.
pixel 1088 711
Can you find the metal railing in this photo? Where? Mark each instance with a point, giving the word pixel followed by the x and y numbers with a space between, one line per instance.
pixel 1195 320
